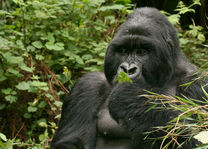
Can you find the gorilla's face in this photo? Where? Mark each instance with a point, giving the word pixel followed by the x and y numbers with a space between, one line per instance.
pixel 130 55
pixel 144 47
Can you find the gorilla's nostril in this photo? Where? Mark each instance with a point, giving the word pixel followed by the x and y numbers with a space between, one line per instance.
pixel 124 69
pixel 132 70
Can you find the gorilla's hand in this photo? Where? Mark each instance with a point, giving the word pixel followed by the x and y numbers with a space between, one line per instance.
pixel 129 107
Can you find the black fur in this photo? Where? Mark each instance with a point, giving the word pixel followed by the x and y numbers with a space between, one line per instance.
pixel 161 68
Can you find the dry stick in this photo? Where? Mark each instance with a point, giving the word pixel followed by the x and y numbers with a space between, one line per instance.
pixel 49 81
pixel 55 78
pixel 19 130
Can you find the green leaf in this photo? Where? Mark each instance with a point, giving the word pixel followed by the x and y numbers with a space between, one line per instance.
pixel 23 86
pixel 112 7
pixel 53 124
pixel 79 60
pixel 42 104
pixel 42 122
pixel 20 44
pixel 49 96
pixel 24 67
pixel 12 59
pixel 6 91
pixel 37 44
pixel 56 47
pixel 2 12
pixel 27 115
pixel 13 71
pixel 11 98
pixel 41 14
pixel 201 37
pixel 58 116
pixel 67 73
pixel 58 103
pixel 3 137
pixel 202 137
pixel 174 19
pixel 38 84
pixel 39 57
pixel 87 57
pixel 32 109
pixel 60 44
pixel 124 2
pixel 51 38
pixel 20 2
pixel 30 48
pixel 42 137
pixel 123 77
pixel 50 45
pixel 2 106
pixel 2 78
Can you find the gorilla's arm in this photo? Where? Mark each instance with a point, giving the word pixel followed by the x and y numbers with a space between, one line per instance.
pixel 194 90
pixel 78 122
pixel 130 109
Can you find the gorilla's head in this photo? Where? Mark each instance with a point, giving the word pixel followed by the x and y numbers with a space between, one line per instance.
pixel 145 47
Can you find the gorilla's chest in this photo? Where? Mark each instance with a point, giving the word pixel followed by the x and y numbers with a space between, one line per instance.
pixel 111 135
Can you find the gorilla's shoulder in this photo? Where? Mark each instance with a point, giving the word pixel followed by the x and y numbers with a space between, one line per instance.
pixel 92 81
pixel 93 77
pixel 89 87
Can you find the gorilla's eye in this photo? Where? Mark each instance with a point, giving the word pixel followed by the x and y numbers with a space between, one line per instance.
pixel 141 52
pixel 122 51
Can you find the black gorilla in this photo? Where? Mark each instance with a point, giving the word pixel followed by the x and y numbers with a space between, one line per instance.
pixel 101 113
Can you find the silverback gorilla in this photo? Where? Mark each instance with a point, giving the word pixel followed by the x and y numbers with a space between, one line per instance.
pixel 101 113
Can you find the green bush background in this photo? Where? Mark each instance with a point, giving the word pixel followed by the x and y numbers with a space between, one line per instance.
pixel 46 45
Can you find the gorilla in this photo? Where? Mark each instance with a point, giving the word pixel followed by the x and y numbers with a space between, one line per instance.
pixel 101 113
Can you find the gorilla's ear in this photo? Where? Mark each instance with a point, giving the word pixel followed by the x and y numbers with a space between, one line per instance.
pixel 183 67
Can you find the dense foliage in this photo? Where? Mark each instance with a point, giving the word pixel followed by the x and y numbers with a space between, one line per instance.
pixel 45 45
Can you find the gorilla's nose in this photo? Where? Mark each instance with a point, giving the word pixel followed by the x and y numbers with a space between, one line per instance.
pixel 131 69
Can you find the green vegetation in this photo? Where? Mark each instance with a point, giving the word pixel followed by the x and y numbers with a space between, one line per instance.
pixel 193 118
pixel 123 77
pixel 46 45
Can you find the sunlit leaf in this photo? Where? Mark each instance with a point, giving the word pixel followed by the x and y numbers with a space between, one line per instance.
pixel 32 109
pixel 112 7
pixel 23 86
pixel 24 67
pixel 58 103
pixel 11 98
pixel 38 84
pixel 12 59
pixel 123 77
pixel 37 44
pixel 55 46
pixel 42 122
pixel 202 137
pixel 201 37
pixel 3 137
